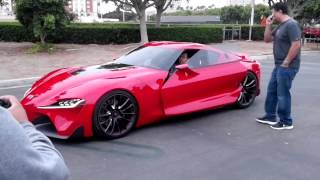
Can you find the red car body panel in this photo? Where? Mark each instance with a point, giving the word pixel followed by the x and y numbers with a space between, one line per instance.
pixel 157 97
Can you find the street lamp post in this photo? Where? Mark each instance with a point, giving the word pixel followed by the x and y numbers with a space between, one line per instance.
pixel 252 19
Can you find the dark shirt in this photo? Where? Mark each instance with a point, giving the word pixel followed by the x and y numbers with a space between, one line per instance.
pixel 283 36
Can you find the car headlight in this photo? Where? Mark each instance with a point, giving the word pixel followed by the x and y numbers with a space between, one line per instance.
pixel 65 104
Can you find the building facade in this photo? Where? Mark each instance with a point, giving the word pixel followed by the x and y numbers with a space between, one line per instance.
pixel 84 7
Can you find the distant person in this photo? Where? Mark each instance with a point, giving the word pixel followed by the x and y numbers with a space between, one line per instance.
pixel 183 59
pixel 286 49
pixel 25 153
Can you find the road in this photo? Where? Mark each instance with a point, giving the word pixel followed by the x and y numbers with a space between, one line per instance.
pixel 220 144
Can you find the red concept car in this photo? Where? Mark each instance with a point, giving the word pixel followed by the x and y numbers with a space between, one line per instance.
pixel 144 86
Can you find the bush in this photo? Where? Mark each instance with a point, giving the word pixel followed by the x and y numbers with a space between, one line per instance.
pixel 15 32
pixel 114 33
pixel 200 34
pixel 97 35
pixel 257 32
pixel 39 47
pixel 42 17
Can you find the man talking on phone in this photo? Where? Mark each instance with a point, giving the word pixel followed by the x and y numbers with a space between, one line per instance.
pixel 25 153
pixel 287 51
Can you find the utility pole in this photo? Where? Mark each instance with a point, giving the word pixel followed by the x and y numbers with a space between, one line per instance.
pixel 252 19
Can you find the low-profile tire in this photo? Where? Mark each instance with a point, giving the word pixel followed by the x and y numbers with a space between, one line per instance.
pixel 249 90
pixel 115 115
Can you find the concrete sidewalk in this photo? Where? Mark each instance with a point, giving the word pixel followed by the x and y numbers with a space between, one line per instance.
pixel 20 68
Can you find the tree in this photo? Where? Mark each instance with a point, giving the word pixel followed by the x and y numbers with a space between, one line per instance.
pixel 161 6
pixel 235 14
pixel 295 7
pixel 261 10
pixel 118 14
pixel 311 11
pixel 139 7
pixel 42 17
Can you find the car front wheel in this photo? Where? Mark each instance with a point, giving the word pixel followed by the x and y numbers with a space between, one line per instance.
pixel 115 115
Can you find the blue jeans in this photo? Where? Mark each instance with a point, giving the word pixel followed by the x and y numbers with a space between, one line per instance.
pixel 278 95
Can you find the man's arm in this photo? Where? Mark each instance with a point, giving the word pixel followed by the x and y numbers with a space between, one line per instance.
pixel 293 52
pixel 25 152
pixel 294 34
pixel 268 31
pixel 268 34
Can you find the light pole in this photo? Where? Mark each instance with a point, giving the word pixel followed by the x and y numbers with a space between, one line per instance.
pixel 252 19
pixel 123 15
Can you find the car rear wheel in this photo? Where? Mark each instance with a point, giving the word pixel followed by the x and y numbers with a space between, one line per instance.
pixel 249 91
pixel 115 115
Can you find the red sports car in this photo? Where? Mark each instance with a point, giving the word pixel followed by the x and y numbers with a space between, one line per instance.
pixel 146 85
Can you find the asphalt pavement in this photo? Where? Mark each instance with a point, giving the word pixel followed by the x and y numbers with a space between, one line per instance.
pixel 224 144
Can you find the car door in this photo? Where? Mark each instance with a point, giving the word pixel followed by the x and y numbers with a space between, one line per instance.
pixel 204 83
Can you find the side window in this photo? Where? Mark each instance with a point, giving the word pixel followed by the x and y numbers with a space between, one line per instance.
pixel 200 59
pixel 213 57
pixel 186 55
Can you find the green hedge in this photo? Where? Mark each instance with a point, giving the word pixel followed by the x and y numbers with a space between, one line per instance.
pixel 257 33
pixel 14 32
pixel 97 35
pixel 188 34
pixel 114 33
pixel 118 33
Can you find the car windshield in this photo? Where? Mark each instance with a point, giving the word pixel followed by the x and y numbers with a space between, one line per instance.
pixel 151 57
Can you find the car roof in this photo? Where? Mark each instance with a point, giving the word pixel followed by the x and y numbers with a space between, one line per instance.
pixel 181 45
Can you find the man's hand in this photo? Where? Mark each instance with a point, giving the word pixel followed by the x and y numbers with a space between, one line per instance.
pixel 270 20
pixel 285 64
pixel 268 31
pixel 16 109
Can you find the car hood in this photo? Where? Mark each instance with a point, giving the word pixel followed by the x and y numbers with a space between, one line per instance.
pixel 64 79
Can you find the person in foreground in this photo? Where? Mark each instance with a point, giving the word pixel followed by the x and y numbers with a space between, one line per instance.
pixel 26 154
pixel 287 51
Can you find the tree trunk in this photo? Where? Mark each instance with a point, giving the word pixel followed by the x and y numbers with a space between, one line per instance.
pixel 158 19
pixel 43 38
pixel 143 26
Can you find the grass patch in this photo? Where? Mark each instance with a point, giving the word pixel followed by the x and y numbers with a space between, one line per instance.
pixel 40 48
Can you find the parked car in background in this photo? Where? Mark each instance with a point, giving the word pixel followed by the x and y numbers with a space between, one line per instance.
pixel 312 31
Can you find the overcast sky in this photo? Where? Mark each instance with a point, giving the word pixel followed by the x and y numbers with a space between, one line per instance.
pixel 194 3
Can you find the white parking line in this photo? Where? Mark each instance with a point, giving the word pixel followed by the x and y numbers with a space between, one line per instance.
pixel 15 87
pixel 20 79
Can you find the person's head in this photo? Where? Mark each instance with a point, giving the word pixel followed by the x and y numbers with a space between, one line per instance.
pixel 279 11
pixel 183 59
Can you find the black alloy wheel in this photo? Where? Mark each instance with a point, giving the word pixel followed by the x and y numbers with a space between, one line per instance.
pixel 115 115
pixel 249 91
